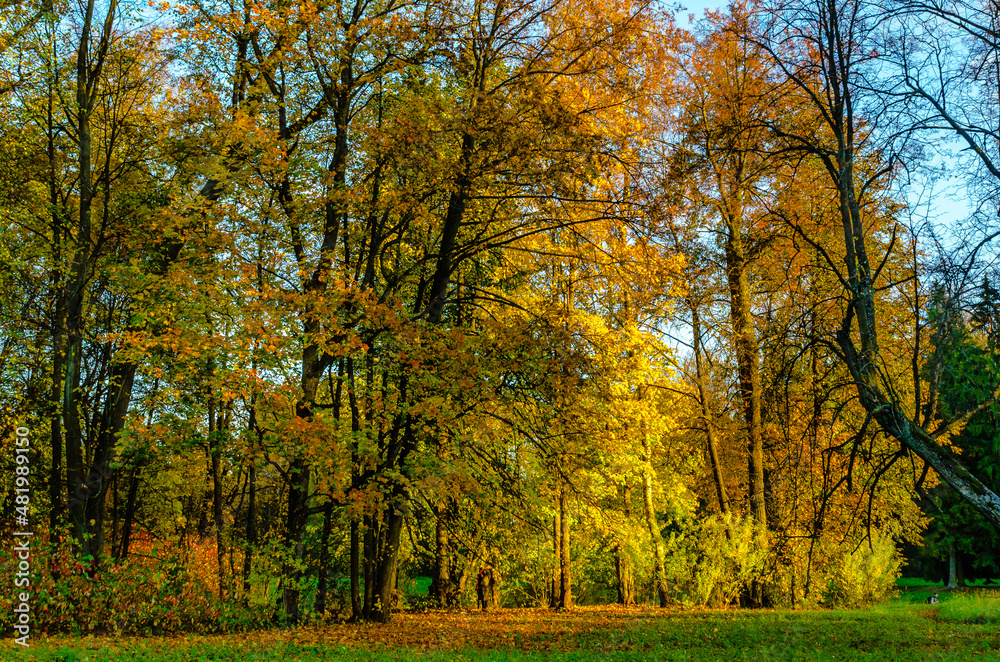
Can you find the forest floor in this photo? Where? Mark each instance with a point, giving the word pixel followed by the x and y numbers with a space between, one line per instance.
pixel 896 631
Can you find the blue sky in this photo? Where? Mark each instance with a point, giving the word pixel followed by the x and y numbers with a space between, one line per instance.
pixel 697 7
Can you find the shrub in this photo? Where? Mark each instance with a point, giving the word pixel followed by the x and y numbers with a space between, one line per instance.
pixel 865 575
pixel 709 566
pixel 163 594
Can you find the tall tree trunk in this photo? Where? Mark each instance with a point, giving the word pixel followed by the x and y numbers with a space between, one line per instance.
pixel 385 568
pixel 659 554
pixel 251 527
pixel 295 527
pixel 556 556
pixel 80 267
pixel 370 546
pixel 130 508
pixel 324 561
pixel 624 580
pixel 357 607
pixel 81 492
pixel 745 342
pixel 215 450
pixel 956 574
pixel 706 413
pixel 56 508
pixel 565 587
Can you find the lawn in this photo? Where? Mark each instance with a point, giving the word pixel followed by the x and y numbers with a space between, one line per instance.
pixel 895 631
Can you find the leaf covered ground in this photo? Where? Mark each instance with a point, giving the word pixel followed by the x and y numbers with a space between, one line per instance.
pixel 896 632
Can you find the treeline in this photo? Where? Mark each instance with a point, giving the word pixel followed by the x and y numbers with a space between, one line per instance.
pixel 367 290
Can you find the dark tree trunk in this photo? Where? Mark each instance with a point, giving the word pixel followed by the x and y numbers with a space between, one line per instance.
pixel 130 508
pixel 357 606
pixel 251 530
pixel 324 561
pixel 745 342
pixel 215 449
pixel 298 494
pixel 385 569
pixel 556 558
pixel 369 566
pixel 565 586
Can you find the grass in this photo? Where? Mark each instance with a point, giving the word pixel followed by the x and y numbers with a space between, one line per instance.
pixel 962 627
pixel 979 608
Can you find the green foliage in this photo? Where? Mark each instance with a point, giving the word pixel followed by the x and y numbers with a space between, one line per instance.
pixel 866 575
pixel 966 358
pixel 715 560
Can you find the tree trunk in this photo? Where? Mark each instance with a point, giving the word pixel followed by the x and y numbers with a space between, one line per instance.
pixel 251 531
pixel 745 342
pixel 623 576
pixel 295 527
pixel 324 562
pixel 952 566
pixel 659 560
pixel 385 570
pixel 442 557
pixel 706 414
pixel 370 547
pixel 215 451
pixel 625 580
pixel 130 507
pixel 357 607
pixel 565 587
pixel 56 509
pixel 556 556
pixel 109 426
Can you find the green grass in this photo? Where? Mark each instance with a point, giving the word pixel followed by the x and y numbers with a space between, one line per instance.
pixel 892 632
pixel 972 608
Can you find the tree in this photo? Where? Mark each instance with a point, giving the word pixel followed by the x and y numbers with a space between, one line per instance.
pixel 823 50
pixel 965 362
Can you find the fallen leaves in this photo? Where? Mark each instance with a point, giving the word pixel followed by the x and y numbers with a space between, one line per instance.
pixel 523 629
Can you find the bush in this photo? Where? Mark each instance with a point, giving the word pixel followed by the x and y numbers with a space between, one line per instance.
pixel 707 566
pixel 865 575
pixel 164 594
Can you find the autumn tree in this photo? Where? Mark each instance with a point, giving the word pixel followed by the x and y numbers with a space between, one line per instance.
pixel 823 51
